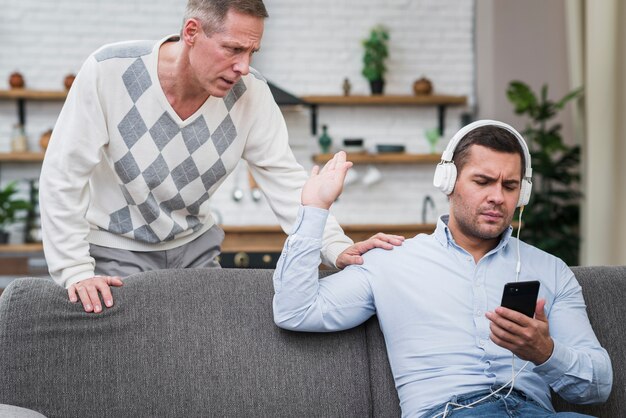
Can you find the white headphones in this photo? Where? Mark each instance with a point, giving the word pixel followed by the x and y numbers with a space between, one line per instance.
pixel 445 173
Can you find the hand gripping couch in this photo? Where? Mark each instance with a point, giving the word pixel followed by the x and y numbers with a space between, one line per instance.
pixel 202 343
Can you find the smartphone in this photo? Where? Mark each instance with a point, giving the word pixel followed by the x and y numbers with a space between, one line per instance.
pixel 521 296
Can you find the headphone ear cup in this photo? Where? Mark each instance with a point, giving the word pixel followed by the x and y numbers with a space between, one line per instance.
pixel 524 195
pixel 445 177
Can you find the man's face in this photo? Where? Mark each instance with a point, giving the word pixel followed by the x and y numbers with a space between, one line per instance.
pixel 485 195
pixel 220 60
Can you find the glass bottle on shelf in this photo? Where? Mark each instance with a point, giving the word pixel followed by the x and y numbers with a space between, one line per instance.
pixel 433 137
pixel 19 142
pixel 324 140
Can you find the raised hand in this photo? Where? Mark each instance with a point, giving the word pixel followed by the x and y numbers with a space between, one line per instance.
pixel 325 185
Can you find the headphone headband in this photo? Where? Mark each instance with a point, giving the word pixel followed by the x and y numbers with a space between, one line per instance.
pixel 454 142
pixel 445 173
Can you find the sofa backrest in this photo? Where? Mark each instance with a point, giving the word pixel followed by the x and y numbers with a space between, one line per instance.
pixel 176 343
pixel 203 343
pixel 604 289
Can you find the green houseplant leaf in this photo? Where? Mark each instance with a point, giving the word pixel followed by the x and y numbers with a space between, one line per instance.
pixel 551 219
pixel 522 98
pixel 9 206
pixel 375 53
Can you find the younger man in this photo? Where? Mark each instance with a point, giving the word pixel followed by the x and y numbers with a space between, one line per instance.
pixel 437 296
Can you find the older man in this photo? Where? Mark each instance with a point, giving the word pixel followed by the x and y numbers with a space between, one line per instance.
pixel 149 131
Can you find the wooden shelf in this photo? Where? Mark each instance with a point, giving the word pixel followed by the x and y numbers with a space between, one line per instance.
pixel 20 248
pixel 21 157
pixel 28 94
pixel 387 100
pixel 22 95
pixel 388 158
pixel 440 101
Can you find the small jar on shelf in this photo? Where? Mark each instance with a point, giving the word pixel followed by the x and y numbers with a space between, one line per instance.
pixel 19 141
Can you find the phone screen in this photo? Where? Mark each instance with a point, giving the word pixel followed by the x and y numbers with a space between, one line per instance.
pixel 521 296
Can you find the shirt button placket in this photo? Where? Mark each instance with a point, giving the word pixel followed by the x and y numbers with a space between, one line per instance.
pixel 480 304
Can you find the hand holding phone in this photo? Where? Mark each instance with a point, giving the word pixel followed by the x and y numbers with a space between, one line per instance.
pixel 521 297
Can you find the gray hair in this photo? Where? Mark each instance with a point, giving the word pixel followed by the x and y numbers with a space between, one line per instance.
pixel 212 13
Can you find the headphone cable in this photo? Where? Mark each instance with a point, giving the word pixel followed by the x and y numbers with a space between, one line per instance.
pixel 518 268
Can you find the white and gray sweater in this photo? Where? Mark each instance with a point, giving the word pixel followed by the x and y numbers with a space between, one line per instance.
pixel 123 170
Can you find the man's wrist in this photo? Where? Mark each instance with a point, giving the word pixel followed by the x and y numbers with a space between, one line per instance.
pixel 547 353
pixel 310 222
pixel 316 204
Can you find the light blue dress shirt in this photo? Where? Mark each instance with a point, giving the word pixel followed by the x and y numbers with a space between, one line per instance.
pixel 430 298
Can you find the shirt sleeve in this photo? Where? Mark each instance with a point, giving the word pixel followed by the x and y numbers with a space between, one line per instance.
pixel 302 301
pixel 279 175
pixel 579 369
pixel 74 150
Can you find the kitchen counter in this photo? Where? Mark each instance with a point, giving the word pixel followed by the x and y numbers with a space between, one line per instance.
pixel 243 246
pixel 270 238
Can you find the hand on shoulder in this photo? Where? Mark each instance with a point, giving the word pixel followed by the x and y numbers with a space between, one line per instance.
pixel 352 254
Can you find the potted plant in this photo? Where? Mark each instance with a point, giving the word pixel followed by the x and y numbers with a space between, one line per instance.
pixel 9 209
pixel 374 58
pixel 552 217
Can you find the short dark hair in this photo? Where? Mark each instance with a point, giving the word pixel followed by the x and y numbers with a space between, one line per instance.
pixel 493 137
pixel 212 13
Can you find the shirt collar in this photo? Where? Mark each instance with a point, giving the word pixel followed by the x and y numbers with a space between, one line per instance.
pixel 444 236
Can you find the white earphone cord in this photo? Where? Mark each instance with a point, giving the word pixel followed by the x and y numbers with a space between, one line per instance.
pixel 518 268
pixel 511 382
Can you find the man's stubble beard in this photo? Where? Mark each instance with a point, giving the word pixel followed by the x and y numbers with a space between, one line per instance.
pixel 472 228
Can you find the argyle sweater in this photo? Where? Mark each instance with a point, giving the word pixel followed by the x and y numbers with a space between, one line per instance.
pixel 123 170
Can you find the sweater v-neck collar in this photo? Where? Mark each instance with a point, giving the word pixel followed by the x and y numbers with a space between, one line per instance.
pixel 154 74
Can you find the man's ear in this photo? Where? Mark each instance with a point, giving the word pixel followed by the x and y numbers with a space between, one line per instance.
pixel 191 29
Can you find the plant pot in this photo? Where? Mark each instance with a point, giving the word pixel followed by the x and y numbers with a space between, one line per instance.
pixel 377 86
pixel 4 237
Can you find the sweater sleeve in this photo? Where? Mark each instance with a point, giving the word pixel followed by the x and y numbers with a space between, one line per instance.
pixel 74 150
pixel 279 175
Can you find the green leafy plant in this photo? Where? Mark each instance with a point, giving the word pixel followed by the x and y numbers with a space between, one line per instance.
pixel 10 207
pixel 551 221
pixel 375 53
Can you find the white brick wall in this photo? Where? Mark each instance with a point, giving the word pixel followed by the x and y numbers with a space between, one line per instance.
pixel 308 48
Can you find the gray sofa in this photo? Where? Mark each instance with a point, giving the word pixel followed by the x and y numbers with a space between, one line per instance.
pixel 191 343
